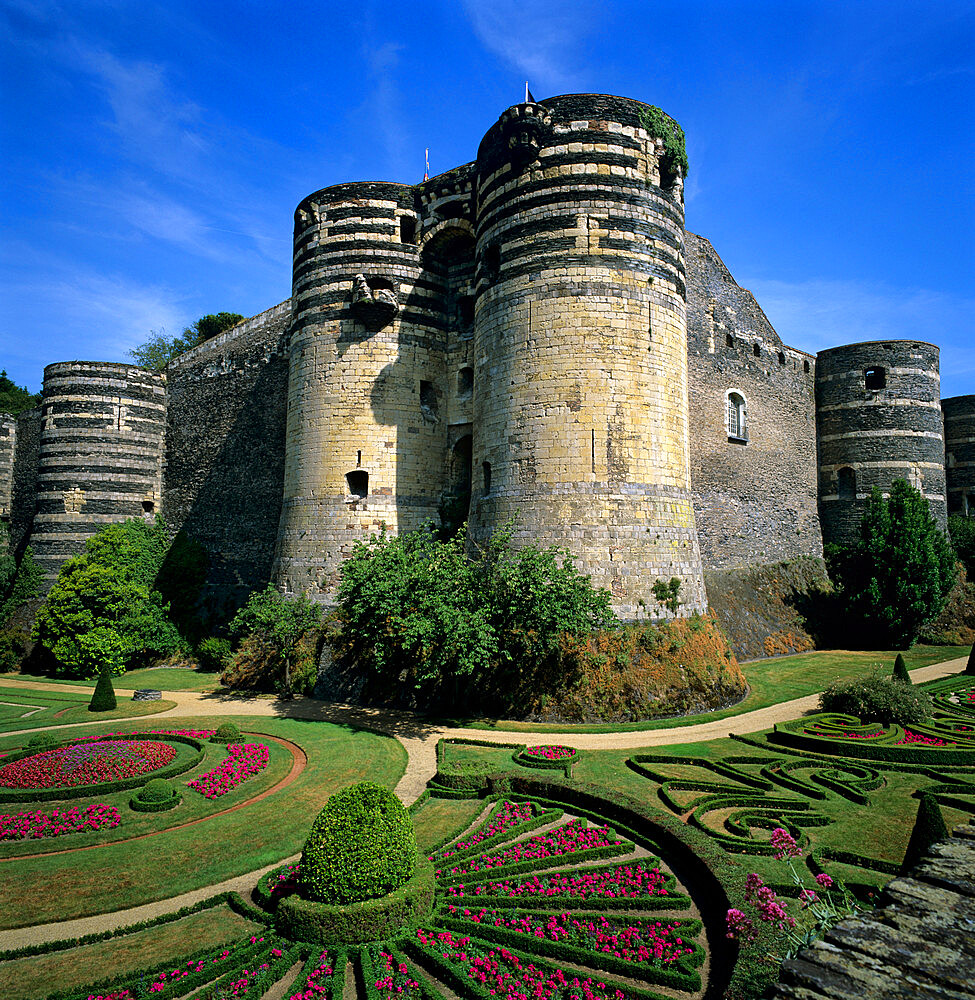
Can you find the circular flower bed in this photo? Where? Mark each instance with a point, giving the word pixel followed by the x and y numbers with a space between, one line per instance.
pixel 87 764
pixel 551 751
pixel 554 755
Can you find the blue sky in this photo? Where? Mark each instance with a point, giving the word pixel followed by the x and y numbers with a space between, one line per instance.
pixel 151 155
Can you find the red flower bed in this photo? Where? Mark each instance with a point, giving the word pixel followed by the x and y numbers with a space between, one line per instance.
pixel 551 751
pixel 244 760
pixel 36 824
pixel 87 764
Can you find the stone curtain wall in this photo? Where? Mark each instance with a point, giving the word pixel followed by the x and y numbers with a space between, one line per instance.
pixel 959 414
pixel 225 451
pixel 23 487
pixel 580 399
pixel 754 498
pixel 870 434
pixel 100 457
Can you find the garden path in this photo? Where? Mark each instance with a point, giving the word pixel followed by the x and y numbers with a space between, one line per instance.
pixel 419 739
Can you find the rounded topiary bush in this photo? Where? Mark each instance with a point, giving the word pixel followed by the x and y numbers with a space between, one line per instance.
pixel 155 795
pixel 361 846
pixel 227 732
pixel 42 740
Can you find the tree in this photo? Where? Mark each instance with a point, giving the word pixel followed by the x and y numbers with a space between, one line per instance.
pixel 898 575
pixel 15 399
pixel 159 349
pixel 104 610
pixel 280 621
pixel 962 532
pixel 900 672
pixel 103 697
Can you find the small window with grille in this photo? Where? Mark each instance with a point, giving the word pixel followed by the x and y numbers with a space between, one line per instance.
pixel 737 429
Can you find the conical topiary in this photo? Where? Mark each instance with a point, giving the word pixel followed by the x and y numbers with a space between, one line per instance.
pixel 929 828
pixel 900 670
pixel 970 669
pixel 103 698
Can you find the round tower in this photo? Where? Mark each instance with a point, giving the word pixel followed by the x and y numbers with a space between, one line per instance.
pixel 959 414
pixel 103 429
pixel 878 418
pixel 580 431
pixel 366 433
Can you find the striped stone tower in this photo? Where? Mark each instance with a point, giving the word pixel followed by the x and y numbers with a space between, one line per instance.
pixel 8 448
pixel 102 439
pixel 580 377
pixel 366 434
pixel 878 418
pixel 959 413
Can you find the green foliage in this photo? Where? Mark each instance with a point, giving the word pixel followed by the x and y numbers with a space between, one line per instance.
pixel 213 653
pixel 227 732
pixel 661 126
pixel 18 582
pixel 416 603
pixel 962 532
pixel 180 580
pixel 157 790
pixel 13 648
pixel 929 828
pixel 103 610
pixel 898 575
pixel 900 670
pixel 361 846
pixel 15 399
pixel 877 699
pixel 103 698
pixel 970 666
pixel 159 349
pixel 42 741
pixel 668 594
pixel 279 623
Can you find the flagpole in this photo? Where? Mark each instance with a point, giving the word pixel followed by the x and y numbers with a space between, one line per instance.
pixel 526 92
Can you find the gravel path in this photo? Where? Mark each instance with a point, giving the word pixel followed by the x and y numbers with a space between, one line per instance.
pixel 420 741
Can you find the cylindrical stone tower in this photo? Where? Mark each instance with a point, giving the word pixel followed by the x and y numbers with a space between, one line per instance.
pixel 8 450
pixel 366 436
pixel 103 429
pixel 959 413
pixel 878 418
pixel 580 433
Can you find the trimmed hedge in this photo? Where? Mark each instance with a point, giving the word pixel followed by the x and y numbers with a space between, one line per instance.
pixel 355 923
pixel 541 818
pixel 104 787
pixel 227 732
pixel 929 828
pixel 361 846
pixel 103 697
pixel 156 795
pixel 335 984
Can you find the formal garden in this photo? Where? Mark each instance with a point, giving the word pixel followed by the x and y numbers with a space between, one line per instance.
pixel 659 821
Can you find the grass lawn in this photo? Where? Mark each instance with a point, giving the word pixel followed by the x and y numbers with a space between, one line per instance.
pixel 63 708
pixel 161 678
pixel 38 975
pixel 770 681
pixel 120 875
pixel 438 819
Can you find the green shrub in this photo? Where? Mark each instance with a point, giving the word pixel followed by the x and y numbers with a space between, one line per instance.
pixel 416 603
pixel 900 670
pixel 103 698
pixel 898 575
pixel 962 532
pixel 213 653
pixel 157 790
pixel 13 648
pixel 929 828
pixel 41 741
pixel 877 699
pixel 227 732
pixel 19 582
pixel 361 846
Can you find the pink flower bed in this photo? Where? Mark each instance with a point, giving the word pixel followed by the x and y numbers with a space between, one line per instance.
pixel 394 979
pixel 551 752
pixel 316 983
pixel 921 740
pixel 641 942
pixel 243 761
pixel 36 824
pixel 506 817
pixel 166 979
pixel 845 736
pixel 568 839
pixel 623 882
pixel 87 764
pixel 507 977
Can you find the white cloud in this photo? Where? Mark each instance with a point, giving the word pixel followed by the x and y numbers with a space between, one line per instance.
pixel 539 38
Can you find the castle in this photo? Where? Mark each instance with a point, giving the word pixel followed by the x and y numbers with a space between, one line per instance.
pixel 532 338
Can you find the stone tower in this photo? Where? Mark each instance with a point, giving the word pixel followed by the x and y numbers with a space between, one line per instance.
pixel 959 413
pixel 878 419
pixel 103 428
pixel 580 376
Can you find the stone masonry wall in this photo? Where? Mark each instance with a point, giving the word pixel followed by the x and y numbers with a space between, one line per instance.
pixel 879 419
pixel 959 414
pixel 754 492
pixel 100 457
pixel 8 449
pixel 225 451
pixel 580 382
pixel 23 488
